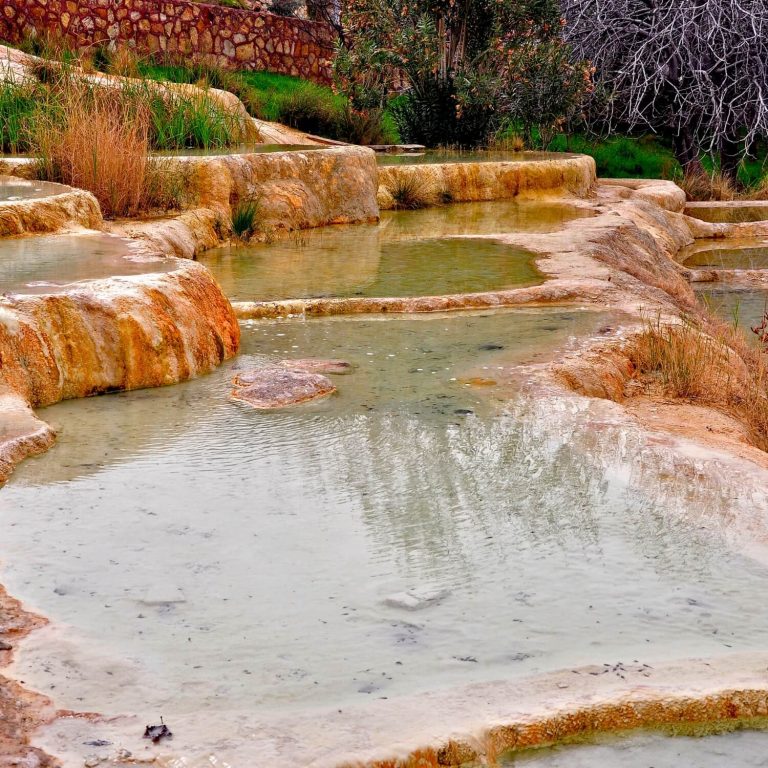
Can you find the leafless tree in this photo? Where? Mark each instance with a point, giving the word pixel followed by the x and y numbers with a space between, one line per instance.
pixel 697 69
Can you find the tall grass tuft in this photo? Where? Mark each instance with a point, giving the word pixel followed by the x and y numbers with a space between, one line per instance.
pixel 97 141
pixel 188 121
pixel 411 191
pixel 18 105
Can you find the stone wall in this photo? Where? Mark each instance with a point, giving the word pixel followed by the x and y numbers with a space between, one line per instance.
pixel 231 37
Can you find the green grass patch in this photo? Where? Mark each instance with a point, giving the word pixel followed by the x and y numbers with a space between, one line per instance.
pixel 623 157
pixel 298 103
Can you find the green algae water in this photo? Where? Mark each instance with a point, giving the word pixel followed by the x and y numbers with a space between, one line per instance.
pixel 401 268
pixel 56 263
pixel 438 522
pixel 726 254
pixel 409 253
pixel 432 157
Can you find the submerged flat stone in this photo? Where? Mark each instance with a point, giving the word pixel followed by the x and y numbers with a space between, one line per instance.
pixel 417 599
pixel 317 365
pixel 277 387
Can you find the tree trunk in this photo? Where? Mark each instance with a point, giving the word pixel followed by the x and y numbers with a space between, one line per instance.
pixel 687 153
pixel 730 159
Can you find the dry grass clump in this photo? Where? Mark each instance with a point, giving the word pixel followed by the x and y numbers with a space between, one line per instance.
pixel 703 186
pixel 411 191
pixel 512 142
pixel 707 363
pixel 96 139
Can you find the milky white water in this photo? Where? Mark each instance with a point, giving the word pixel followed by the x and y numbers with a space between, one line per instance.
pixel 212 563
pixel 12 189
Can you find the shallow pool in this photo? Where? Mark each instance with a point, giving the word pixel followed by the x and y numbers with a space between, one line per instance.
pixel 240 149
pixel 742 749
pixel 197 557
pixel 744 308
pixel 724 213
pixel 55 263
pixel 726 254
pixel 409 253
pixel 342 265
pixel 12 189
pixel 456 156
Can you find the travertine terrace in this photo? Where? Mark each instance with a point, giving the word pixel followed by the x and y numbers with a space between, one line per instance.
pixel 164 327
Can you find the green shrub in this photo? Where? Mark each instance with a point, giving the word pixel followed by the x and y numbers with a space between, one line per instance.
pixel 246 217
pixel 312 109
pixel 623 157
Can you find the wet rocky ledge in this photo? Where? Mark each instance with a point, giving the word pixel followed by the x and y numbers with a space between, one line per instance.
pixel 165 328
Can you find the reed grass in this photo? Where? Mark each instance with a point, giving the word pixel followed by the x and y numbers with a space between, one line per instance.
pixel 99 140
pixel 96 141
pixel 18 105
pixel 247 217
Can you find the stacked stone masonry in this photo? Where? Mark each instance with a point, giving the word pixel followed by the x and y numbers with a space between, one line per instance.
pixel 232 38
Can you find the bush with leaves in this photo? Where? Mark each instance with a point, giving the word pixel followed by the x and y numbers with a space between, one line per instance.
pixel 466 68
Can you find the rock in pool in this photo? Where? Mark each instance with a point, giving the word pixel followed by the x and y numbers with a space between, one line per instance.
pixel 317 365
pixel 417 599
pixel 277 387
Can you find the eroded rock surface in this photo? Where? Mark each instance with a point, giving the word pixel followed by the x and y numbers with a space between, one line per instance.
pixel 66 208
pixel 103 336
pixel 465 182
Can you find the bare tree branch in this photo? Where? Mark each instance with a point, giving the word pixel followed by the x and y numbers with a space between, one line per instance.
pixel 695 68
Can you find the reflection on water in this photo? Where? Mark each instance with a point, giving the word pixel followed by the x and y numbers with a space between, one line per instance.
pixel 51 263
pixel 342 266
pixel 192 551
pixel 409 253
pixel 452 156
pixel 744 308
pixel 726 254
pixel 742 749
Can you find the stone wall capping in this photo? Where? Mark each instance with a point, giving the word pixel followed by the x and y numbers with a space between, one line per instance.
pixel 233 37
